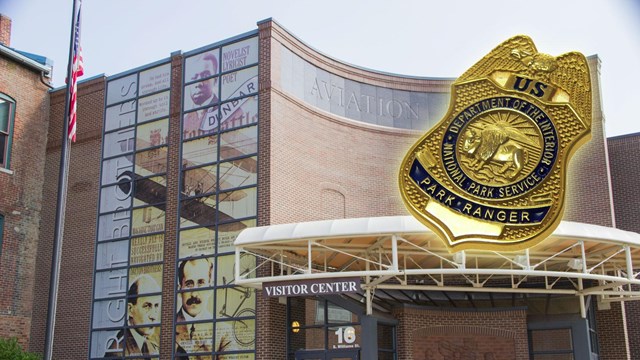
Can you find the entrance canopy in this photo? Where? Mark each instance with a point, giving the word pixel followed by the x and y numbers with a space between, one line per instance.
pixel 399 253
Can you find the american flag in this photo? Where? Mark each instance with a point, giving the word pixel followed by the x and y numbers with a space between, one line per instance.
pixel 77 69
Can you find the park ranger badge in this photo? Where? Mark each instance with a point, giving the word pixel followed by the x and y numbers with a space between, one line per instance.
pixel 491 174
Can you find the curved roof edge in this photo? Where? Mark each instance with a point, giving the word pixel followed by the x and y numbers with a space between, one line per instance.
pixel 356 227
pixel 348 64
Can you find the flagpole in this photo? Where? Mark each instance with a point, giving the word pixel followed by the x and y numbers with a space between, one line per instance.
pixel 61 205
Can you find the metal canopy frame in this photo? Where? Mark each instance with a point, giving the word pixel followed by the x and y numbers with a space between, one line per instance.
pixel 398 253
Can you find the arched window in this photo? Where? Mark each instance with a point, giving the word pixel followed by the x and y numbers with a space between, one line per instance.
pixel 7 112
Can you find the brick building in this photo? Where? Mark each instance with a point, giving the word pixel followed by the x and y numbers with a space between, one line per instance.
pixel 24 125
pixel 178 159
pixel 624 181
pixel 624 175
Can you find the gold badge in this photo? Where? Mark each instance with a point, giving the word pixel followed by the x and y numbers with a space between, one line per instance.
pixel 491 174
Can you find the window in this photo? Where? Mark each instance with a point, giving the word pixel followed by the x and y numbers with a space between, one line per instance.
pixel 593 332
pixel 554 344
pixel 6 126
pixel 321 326
pixel 386 342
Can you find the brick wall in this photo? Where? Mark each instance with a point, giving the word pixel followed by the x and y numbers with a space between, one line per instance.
pixel 76 270
pixel 312 153
pixel 449 334
pixel 324 166
pixel 632 315
pixel 625 176
pixel 21 197
pixel 5 30
pixel 264 125
pixel 612 335
pixel 271 327
pixel 170 237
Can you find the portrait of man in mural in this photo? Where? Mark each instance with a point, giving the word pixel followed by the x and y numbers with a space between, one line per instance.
pixel 204 92
pixel 192 274
pixel 144 310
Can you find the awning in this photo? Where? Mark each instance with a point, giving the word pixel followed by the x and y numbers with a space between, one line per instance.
pixel 398 252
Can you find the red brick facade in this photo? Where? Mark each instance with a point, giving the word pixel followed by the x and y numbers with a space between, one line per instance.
pixel 450 334
pixel 5 30
pixel 21 195
pixel 173 175
pixel 76 271
pixel 612 333
pixel 271 327
pixel 320 157
pixel 625 179
pixel 625 175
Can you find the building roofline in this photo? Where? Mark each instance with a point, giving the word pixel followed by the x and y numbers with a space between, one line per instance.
pixel 19 57
pixel 345 63
pixel 80 82
pixel 220 43
pixel 617 137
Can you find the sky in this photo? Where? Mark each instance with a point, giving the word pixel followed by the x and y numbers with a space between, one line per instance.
pixel 409 37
